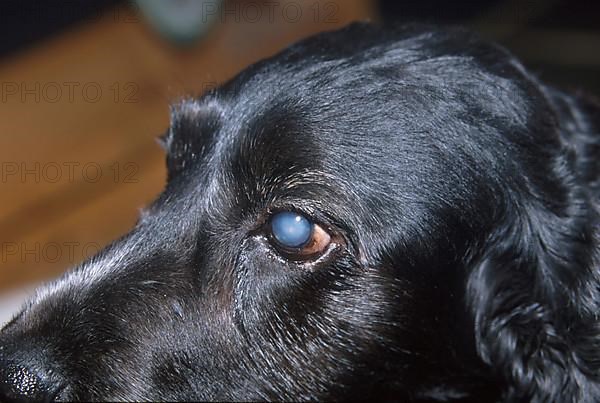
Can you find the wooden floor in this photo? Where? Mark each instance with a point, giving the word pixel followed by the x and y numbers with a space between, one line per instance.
pixel 79 114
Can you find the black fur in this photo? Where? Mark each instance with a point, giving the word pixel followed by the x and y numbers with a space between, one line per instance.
pixel 464 194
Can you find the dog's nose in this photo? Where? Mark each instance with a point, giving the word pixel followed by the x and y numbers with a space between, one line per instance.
pixel 19 383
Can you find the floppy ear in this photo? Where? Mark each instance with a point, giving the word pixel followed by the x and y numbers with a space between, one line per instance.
pixel 193 125
pixel 534 290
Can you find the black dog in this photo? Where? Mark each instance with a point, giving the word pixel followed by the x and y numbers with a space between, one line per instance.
pixel 404 214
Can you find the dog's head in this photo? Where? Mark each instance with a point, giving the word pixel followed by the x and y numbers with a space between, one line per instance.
pixel 397 213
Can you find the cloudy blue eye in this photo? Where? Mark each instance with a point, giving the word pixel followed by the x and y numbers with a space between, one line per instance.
pixel 291 230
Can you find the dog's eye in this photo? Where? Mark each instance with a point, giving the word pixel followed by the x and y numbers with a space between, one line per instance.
pixel 297 237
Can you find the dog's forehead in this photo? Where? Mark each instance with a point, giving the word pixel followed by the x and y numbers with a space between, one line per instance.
pixel 390 127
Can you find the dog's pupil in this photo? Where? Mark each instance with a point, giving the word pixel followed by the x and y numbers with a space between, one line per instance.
pixel 291 229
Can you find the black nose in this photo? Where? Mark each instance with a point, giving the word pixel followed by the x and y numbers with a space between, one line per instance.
pixel 25 383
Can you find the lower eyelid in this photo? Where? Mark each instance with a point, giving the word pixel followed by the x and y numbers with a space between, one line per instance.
pixel 332 249
pixel 335 246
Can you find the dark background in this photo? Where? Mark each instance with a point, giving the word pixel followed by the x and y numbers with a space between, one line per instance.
pixel 557 39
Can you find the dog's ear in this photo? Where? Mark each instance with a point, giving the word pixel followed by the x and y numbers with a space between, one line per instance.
pixel 192 129
pixel 534 288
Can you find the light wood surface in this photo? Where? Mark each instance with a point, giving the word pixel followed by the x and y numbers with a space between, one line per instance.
pixel 53 199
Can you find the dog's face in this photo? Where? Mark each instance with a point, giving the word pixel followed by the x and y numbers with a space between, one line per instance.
pixel 366 214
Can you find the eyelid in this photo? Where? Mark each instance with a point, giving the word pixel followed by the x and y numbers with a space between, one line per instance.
pixel 325 219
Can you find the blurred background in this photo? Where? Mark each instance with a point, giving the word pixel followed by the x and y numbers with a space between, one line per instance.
pixel 85 88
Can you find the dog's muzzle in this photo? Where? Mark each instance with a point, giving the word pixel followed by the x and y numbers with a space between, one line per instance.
pixel 26 377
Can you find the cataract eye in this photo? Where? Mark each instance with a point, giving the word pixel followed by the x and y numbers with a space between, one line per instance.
pixel 297 236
